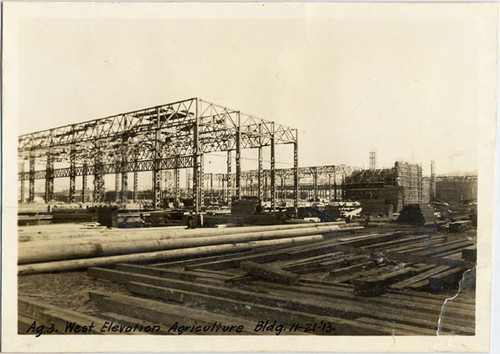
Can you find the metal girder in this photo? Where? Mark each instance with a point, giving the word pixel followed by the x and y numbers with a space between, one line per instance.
pixel 296 175
pixel 98 181
pixel 303 172
pixel 117 181
pixel 196 165
pixel 31 177
pixel 156 164
pixel 110 168
pixel 169 136
pixel 229 184
pixel 136 186
pixel 49 180
pixel 218 127
pixel 201 179
pixel 260 176
pixel 23 183
pixel 72 178
pixel 84 182
pixel 273 176
pixel 238 160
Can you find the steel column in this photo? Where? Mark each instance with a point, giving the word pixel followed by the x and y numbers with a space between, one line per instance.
pixel 296 173
pixel 177 184
pixel 124 190
pixel 238 159
pixel 259 168
pixel 23 184
pixel 283 191
pixel 117 181
pixel 343 187
pixel 196 149
pixel 273 174
pixel 334 185
pixel 156 168
pixel 136 181
pixel 31 195
pixel 49 179
pixel 315 183
pixel 211 180
pixel 265 188
pixel 84 182
pixel 224 196
pixel 72 177
pixel 201 179
pixel 329 187
pixel 229 183
pixel 98 179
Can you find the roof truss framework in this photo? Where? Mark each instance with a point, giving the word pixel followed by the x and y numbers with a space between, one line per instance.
pixel 218 128
pixel 170 136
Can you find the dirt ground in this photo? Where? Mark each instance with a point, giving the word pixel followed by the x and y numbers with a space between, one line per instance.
pixel 69 290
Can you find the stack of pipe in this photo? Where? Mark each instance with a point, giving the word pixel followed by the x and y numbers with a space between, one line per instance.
pixel 83 248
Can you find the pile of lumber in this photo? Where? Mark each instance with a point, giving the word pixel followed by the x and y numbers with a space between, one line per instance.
pixel 89 247
pixel 356 283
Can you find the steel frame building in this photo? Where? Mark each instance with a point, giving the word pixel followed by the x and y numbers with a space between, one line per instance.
pixel 173 136
pixel 319 178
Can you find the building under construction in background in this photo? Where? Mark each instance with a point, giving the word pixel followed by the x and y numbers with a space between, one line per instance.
pixel 387 190
pixel 457 188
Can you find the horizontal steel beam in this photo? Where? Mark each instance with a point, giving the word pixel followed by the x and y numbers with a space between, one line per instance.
pixel 111 168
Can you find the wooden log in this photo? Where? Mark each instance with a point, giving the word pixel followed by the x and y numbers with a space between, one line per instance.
pixel 227 306
pixel 199 260
pixel 422 277
pixel 451 246
pixel 407 257
pixel 270 273
pixel 77 234
pixel 463 315
pixel 166 314
pixel 411 239
pixel 411 311
pixel 377 285
pixel 396 296
pixel 132 321
pixel 469 254
pixel 46 314
pixel 351 242
pixel 352 269
pixel 240 309
pixel 266 256
pixel 150 257
pixel 310 304
pixel 172 273
pixel 298 252
pixel 23 323
pixel 447 280
pixel 31 254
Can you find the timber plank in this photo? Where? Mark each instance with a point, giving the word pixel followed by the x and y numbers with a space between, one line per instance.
pixel 162 313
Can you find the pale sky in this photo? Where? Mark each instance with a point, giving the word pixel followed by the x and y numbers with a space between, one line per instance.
pixel 406 86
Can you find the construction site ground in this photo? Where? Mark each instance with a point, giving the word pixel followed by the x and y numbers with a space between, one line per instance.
pixel 324 276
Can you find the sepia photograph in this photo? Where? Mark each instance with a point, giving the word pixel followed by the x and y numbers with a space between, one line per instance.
pixel 268 176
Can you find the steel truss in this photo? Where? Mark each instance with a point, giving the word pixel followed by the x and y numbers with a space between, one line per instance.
pixel 324 179
pixel 171 136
